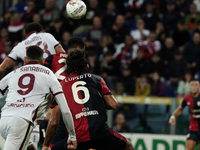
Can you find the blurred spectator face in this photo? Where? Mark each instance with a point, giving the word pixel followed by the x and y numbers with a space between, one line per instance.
pixel 106 40
pixel 57 24
pixel 31 5
pixel 196 38
pixel 194 87
pixel 119 88
pixel 193 8
pixel 180 26
pixel 140 54
pixel 120 119
pixel 66 36
pixel 111 6
pixel 120 20
pixel 93 3
pixel 188 76
pixel 152 37
pixel 97 22
pixel 143 80
pixel 174 80
pixel 155 76
pixel 177 57
pixel 159 26
pixel 16 17
pixel 149 8
pixel 91 57
pixel 108 57
pixel 36 18
pixel 126 72
pixel 128 40
pixel 89 43
pixel 4 33
pixel 155 58
pixel 169 43
pixel 7 47
pixel 170 7
pixel 49 4
pixel 140 24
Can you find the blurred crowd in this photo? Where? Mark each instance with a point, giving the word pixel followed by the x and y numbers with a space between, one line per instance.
pixel 140 47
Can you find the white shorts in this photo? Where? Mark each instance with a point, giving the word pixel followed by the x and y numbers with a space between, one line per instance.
pixel 16 131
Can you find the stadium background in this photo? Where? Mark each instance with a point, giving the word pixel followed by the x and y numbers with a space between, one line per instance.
pixel 146 50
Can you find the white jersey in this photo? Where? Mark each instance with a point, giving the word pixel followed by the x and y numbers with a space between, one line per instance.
pixel 46 41
pixel 28 87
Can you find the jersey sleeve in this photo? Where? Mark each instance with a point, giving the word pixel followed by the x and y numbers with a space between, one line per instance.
pixel 48 61
pixel 4 84
pixel 183 103
pixel 56 88
pixel 105 90
pixel 53 103
pixel 14 54
pixel 51 39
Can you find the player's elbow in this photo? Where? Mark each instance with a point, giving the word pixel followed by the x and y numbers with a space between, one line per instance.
pixel 114 105
pixel 54 122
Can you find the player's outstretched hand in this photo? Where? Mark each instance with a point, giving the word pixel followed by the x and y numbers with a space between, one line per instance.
pixel 71 144
pixel 46 148
pixel 172 120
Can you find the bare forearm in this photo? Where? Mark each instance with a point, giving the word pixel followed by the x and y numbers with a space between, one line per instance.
pixel 51 131
pixel 177 112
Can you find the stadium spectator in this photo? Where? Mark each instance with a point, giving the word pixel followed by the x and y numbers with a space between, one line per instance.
pixel 15 28
pixel 183 7
pixel 7 49
pixel 157 86
pixel 109 16
pixel 138 65
pixel 126 52
pixel 167 51
pixel 160 32
pixel 142 86
pixel 192 18
pixel 65 38
pixel 120 125
pixel 171 16
pixel 151 45
pixel 184 85
pixel 28 15
pixel 140 34
pixel 37 18
pixel 49 14
pixel 155 64
pixel 3 38
pixel 150 17
pixel 197 3
pixel 119 30
pixel 191 53
pixel 172 86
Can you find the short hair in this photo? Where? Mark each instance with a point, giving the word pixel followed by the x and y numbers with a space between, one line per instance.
pixel 75 42
pixel 34 53
pixel 76 61
pixel 33 27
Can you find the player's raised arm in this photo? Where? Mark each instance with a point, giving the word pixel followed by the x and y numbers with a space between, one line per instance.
pixel 4 65
pixel 59 49
pixel 175 114
pixel 110 102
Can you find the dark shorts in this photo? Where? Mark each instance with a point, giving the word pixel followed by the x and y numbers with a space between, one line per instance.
pixel 110 141
pixel 194 135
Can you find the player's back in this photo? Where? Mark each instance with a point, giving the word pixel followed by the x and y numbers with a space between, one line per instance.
pixel 57 63
pixel 84 95
pixel 44 40
pixel 28 87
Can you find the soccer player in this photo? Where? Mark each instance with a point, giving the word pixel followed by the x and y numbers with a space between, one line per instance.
pixel 35 36
pixel 191 100
pixel 28 87
pixel 57 63
pixel 88 97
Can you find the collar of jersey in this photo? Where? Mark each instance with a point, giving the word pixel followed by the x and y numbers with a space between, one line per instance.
pixel 32 63
pixel 30 33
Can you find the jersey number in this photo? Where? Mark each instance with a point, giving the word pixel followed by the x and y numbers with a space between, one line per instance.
pixel 61 70
pixel 28 87
pixel 76 88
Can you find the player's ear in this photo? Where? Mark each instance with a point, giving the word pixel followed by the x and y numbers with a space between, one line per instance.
pixel 25 59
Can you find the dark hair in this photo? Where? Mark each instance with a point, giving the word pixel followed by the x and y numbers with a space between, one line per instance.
pixel 76 61
pixel 75 42
pixel 34 53
pixel 33 27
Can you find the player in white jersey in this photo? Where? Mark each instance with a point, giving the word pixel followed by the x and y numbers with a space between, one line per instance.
pixel 27 88
pixel 35 36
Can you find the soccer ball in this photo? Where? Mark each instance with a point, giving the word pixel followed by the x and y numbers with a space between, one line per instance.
pixel 76 9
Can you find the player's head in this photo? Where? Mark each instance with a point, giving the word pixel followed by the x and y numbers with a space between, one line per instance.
pixel 76 61
pixel 75 43
pixel 33 27
pixel 194 86
pixel 34 54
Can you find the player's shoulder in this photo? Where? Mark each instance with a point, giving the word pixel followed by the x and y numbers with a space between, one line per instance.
pixel 94 77
pixel 187 97
pixel 46 34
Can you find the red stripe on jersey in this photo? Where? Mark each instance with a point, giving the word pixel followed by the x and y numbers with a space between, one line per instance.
pixel 27 131
pixel 50 145
pixel 46 63
pixel 81 122
pixel 117 135
pixel 105 89
pixel 193 122
pixel 57 93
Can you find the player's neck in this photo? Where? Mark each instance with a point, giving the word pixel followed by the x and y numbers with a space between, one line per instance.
pixel 195 95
